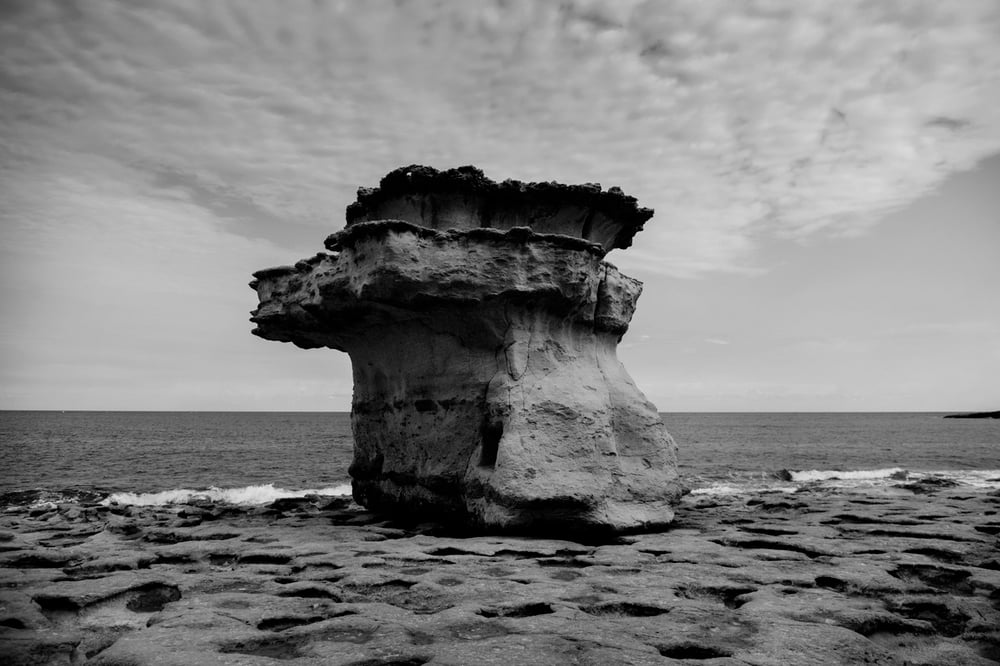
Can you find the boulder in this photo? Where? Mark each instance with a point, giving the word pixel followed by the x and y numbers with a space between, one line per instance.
pixel 482 329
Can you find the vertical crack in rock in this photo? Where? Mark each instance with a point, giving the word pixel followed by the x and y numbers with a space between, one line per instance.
pixel 482 322
pixel 598 289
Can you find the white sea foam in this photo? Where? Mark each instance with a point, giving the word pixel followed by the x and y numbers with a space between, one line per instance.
pixel 860 479
pixel 848 475
pixel 978 478
pixel 728 489
pixel 247 495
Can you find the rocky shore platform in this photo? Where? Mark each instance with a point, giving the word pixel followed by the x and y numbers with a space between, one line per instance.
pixel 899 575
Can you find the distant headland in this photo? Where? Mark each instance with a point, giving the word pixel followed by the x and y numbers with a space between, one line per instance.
pixel 975 415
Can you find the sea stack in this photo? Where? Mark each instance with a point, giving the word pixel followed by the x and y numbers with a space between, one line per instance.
pixel 482 324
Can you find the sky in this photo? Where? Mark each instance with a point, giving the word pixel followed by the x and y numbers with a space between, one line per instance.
pixel 825 175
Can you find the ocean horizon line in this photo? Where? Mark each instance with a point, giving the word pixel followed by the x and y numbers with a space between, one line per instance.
pixel 340 411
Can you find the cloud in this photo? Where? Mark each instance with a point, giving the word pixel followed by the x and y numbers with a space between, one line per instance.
pixel 737 121
pixel 136 301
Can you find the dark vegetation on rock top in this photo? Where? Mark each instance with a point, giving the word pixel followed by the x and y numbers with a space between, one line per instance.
pixel 470 181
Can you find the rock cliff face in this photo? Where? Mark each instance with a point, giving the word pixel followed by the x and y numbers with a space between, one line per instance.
pixel 482 329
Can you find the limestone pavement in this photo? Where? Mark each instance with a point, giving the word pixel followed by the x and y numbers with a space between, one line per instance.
pixel 897 576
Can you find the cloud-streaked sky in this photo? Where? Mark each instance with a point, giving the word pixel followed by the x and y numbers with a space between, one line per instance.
pixel 826 179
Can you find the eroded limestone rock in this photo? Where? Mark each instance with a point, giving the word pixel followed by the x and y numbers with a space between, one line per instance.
pixel 464 198
pixel 482 330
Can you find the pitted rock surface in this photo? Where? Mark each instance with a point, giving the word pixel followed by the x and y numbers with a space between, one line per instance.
pixel 825 577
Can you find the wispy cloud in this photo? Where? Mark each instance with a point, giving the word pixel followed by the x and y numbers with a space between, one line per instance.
pixel 153 154
pixel 735 120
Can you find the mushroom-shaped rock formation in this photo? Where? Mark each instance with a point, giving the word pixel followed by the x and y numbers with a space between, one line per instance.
pixel 482 324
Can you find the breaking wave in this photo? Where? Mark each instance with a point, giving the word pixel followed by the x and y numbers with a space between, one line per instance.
pixel 789 481
pixel 247 495
pixel 736 489
pixel 851 475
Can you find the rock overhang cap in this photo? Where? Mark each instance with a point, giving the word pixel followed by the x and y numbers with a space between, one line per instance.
pixel 609 217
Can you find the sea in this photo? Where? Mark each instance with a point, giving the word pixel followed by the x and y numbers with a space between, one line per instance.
pixel 151 458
